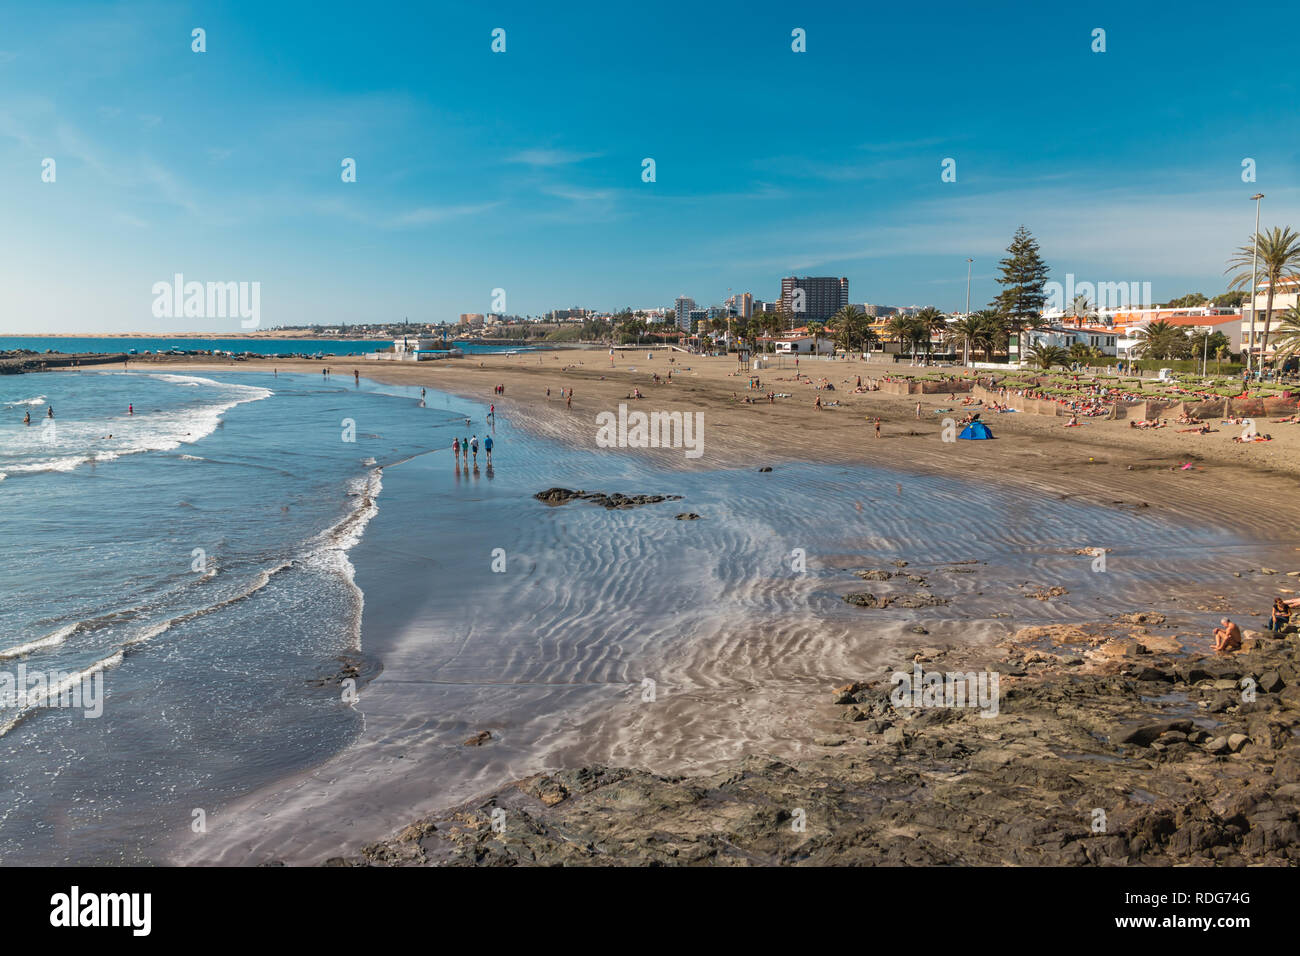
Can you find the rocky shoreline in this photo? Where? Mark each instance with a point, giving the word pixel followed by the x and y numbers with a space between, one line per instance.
pixel 1109 745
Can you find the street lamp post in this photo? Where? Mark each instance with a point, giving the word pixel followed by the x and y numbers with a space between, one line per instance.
pixel 966 361
pixel 1254 258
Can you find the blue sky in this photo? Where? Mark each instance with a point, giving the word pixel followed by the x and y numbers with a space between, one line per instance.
pixel 522 170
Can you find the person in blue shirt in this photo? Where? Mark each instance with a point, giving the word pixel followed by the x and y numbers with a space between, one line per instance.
pixel 487 447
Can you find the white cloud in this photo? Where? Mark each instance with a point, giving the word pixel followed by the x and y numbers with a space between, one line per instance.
pixel 549 157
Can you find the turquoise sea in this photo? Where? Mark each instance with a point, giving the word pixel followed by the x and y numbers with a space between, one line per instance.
pixel 258 346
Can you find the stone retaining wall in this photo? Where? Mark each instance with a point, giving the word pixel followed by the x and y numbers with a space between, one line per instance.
pixel 925 388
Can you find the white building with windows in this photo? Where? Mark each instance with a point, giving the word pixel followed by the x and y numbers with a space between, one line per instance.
pixel 1100 337
pixel 799 342
pixel 1287 295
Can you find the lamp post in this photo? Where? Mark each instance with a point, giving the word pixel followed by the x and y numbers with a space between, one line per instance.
pixel 1254 258
pixel 966 361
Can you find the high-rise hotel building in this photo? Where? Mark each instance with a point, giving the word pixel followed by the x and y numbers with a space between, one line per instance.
pixel 823 296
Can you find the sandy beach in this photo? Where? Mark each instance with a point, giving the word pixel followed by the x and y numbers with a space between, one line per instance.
pixel 1104 462
pixel 369 793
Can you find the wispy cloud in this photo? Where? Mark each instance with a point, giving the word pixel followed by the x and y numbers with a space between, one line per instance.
pixel 579 194
pixel 550 157
pixel 425 215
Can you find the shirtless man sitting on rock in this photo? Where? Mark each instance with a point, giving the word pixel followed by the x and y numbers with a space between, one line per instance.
pixel 1227 638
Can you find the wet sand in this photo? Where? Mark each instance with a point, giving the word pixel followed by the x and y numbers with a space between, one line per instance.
pixel 1246 487
pixel 752 681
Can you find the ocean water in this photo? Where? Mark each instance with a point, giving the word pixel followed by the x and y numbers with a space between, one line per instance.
pixel 259 346
pixel 197 558
pixel 217 556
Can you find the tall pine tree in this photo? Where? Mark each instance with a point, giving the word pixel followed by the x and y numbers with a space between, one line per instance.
pixel 1024 276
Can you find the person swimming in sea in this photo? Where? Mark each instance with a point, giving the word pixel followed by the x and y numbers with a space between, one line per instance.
pixel 27 419
pixel 49 411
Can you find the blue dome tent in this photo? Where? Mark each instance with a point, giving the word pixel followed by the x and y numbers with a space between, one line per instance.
pixel 976 431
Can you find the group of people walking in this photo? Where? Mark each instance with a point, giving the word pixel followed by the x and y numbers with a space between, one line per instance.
pixel 470 447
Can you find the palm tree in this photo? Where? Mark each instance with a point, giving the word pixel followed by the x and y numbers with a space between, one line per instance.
pixel 906 328
pixel 849 326
pixel 1080 352
pixel 1160 340
pixel 1288 332
pixel 1081 307
pixel 993 332
pixel 771 324
pixel 1279 263
pixel 968 332
pixel 1221 353
pixel 930 321
pixel 1045 356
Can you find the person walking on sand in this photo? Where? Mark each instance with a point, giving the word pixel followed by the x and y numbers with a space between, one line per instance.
pixel 569 401
pixel 473 447
pixel 455 448
pixel 1227 638
pixel 918 409
pixel 877 427
pixel 487 448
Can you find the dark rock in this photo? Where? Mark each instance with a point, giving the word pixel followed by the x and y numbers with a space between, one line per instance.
pixel 1141 617
pixel 1142 736
pixel 873 574
pixel 560 496
pixel 1192 673
pixel 919 599
pixel 1154 674
pixel 688 516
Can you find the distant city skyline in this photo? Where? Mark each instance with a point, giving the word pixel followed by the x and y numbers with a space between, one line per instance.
pixel 520 177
